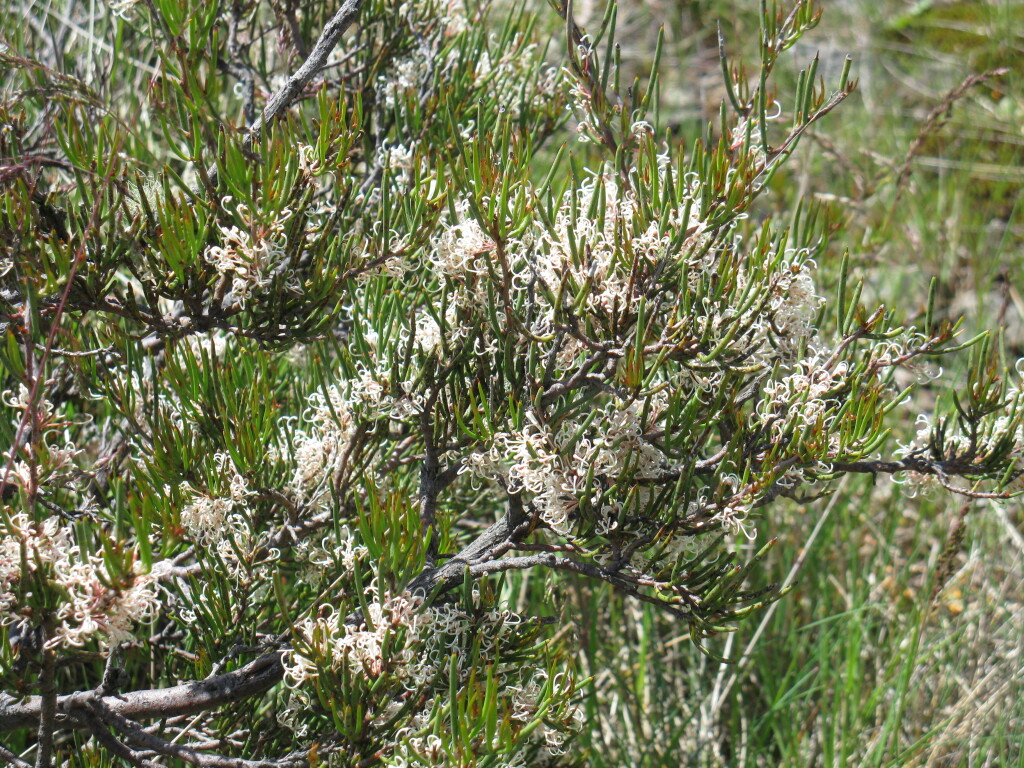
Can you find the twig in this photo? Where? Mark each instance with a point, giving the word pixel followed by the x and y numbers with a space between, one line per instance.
pixel 290 91
pixel 287 94
pixel 940 470
pixel 134 732
pixel 188 698
pixel 116 746
pixel 47 709
pixel 12 759
pixel 935 121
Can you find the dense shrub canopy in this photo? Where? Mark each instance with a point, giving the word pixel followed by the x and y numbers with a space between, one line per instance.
pixel 326 363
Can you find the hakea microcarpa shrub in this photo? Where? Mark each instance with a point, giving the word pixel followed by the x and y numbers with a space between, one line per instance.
pixel 314 351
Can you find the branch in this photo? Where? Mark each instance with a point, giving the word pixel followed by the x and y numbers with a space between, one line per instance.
pixel 482 549
pixel 12 759
pixel 290 91
pixel 254 678
pixel 584 375
pixel 47 709
pixel 188 698
pixel 114 745
pixel 561 563
pixel 941 470
pixel 137 734
pixel 296 84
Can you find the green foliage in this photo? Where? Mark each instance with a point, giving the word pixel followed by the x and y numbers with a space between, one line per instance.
pixel 327 370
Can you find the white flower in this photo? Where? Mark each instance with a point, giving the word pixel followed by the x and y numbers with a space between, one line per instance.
pixel 309 163
pixel 331 554
pixel 804 398
pixel 94 604
pixel 540 463
pixel 753 124
pixel 328 425
pixel 406 76
pixel 463 247
pixel 794 304
pixel 212 520
pixel 399 160
pixel 251 257
pixel 205 518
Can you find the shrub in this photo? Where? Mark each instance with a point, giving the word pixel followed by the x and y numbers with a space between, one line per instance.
pixel 314 353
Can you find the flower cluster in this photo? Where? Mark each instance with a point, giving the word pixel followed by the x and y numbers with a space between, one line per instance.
pixel 525 698
pixel 407 76
pixel 52 462
pixel 211 520
pixel 752 125
pixel 334 554
pixel 605 252
pixel 93 603
pixel 803 399
pixel 579 249
pixel 462 248
pixel 331 640
pixel 794 305
pixel 251 256
pixel 556 468
pixel 328 425
pixel 955 439
pixel 414 644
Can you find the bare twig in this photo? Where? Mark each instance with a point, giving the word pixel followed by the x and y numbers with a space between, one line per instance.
pixel 251 680
pixel 296 84
pixel 934 121
pixel 940 470
pixel 12 759
pixel 116 746
pixel 290 91
pixel 134 732
pixel 47 709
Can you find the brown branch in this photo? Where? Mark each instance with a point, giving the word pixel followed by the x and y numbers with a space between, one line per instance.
pixel 561 563
pixel 297 82
pixel 134 732
pixel 585 375
pixel 941 470
pixel 47 709
pixel 483 548
pixel 115 746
